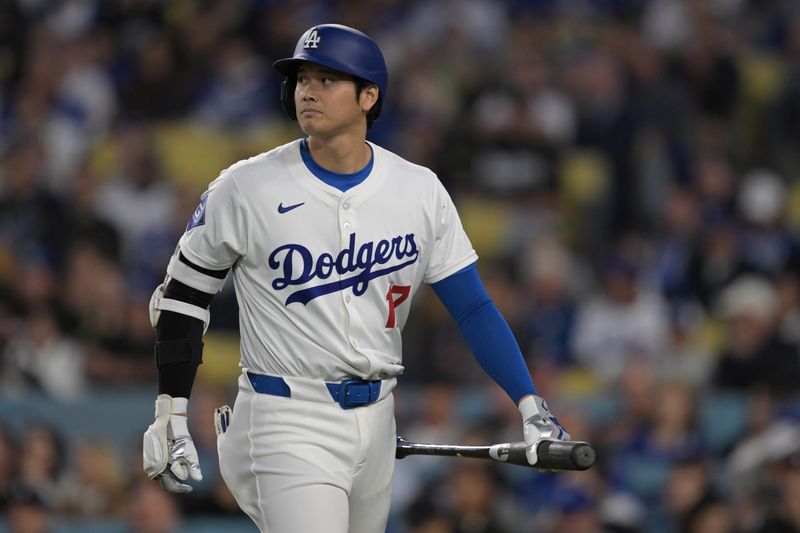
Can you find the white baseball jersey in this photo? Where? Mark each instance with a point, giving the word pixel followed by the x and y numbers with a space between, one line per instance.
pixel 325 278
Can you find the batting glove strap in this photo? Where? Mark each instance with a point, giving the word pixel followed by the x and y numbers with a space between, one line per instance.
pixel 169 454
pixel 538 424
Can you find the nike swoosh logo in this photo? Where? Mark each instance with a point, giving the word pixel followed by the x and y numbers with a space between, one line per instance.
pixel 288 208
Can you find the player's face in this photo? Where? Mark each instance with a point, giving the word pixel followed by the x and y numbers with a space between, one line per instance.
pixel 326 102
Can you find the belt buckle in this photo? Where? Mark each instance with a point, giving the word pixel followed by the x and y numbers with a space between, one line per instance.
pixel 353 393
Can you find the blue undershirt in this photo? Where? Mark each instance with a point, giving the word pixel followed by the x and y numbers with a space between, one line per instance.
pixel 343 182
pixel 486 331
pixel 483 327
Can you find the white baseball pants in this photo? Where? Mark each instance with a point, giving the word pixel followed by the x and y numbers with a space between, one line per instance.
pixel 304 466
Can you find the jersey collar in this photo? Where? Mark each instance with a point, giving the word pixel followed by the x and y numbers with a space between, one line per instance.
pixel 330 194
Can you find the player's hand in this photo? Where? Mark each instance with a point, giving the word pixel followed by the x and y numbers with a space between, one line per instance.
pixel 538 423
pixel 169 453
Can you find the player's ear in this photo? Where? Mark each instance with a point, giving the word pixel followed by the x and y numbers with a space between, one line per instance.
pixel 368 97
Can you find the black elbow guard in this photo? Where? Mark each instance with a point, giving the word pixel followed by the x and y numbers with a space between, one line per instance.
pixel 179 339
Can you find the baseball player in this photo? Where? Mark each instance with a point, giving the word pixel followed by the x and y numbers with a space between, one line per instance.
pixel 328 238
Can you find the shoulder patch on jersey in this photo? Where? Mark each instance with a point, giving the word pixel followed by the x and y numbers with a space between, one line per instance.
pixel 199 216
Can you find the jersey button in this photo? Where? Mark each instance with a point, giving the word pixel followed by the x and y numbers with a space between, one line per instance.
pixel 346 225
pixel 346 206
pixel 347 298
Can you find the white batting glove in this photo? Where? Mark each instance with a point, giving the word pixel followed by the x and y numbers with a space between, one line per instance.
pixel 538 423
pixel 168 450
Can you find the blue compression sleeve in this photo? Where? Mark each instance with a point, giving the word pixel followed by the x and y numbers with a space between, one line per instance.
pixel 486 331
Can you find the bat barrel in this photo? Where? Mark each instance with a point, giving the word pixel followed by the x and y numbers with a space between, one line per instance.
pixel 564 455
pixel 551 454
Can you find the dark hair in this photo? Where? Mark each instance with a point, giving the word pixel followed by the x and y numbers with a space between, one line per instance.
pixel 373 113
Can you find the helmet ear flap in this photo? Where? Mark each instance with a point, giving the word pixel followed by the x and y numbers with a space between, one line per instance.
pixel 287 96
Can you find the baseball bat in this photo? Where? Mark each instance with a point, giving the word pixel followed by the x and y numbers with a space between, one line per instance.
pixel 552 454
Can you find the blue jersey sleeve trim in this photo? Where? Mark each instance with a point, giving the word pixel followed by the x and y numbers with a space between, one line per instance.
pixel 486 331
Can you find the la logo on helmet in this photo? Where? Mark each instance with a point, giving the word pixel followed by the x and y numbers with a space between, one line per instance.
pixel 312 40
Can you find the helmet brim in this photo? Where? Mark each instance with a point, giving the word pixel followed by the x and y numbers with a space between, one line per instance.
pixel 288 66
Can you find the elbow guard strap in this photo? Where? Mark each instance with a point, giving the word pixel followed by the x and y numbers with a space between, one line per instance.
pixel 208 281
pixel 177 306
pixel 179 351
pixel 160 301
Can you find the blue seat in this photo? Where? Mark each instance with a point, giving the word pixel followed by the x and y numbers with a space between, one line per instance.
pixel 213 524
pixel 115 416
pixel 92 526
pixel 722 418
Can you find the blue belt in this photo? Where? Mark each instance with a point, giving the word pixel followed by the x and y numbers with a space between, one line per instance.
pixel 349 393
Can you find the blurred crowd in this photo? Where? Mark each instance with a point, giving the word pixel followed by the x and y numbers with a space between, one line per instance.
pixel 628 171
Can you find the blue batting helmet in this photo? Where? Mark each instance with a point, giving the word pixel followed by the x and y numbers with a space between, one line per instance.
pixel 337 47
